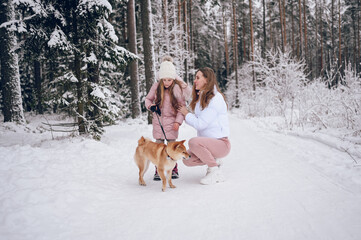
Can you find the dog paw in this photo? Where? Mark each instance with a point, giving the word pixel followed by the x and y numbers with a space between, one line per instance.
pixel 142 183
pixel 172 186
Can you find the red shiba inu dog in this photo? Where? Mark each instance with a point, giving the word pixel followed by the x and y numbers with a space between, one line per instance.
pixel 163 156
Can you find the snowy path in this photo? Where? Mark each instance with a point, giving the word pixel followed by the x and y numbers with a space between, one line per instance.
pixel 278 187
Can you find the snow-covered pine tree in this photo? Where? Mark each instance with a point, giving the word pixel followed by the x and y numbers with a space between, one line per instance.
pixel 32 31
pixel 77 49
pixel 88 42
pixel 10 80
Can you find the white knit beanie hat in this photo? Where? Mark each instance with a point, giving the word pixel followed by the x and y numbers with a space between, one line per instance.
pixel 167 69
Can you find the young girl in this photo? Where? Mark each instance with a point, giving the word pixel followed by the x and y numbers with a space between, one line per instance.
pixel 211 121
pixel 167 95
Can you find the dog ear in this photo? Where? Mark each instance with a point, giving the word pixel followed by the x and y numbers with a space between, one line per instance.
pixel 178 144
pixel 141 141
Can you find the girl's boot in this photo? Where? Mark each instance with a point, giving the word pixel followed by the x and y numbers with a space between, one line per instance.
pixel 156 175
pixel 175 174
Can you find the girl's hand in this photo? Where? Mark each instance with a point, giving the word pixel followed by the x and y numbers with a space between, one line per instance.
pixel 151 107
pixel 154 108
pixel 183 110
pixel 176 126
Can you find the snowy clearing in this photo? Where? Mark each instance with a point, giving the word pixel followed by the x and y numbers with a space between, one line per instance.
pixel 278 187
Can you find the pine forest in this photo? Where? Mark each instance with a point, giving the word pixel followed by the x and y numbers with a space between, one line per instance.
pixel 95 60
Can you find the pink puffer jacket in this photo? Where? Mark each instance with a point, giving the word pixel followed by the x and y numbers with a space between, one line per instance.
pixel 168 115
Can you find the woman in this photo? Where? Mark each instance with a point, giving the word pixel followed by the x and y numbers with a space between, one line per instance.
pixel 210 119
pixel 163 99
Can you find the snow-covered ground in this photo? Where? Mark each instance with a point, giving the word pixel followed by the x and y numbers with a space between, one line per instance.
pixel 279 186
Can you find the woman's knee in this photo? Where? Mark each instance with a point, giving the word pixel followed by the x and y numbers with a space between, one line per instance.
pixel 192 143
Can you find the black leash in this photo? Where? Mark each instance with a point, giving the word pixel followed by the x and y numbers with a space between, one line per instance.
pixel 161 126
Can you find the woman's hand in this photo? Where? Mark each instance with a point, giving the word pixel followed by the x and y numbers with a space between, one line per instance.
pixel 176 126
pixel 183 110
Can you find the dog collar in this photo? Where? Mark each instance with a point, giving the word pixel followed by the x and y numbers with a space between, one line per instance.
pixel 169 157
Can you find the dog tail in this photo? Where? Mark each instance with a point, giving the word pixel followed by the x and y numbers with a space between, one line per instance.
pixel 141 141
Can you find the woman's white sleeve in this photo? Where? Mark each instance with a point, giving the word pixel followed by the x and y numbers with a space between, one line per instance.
pixel 201 122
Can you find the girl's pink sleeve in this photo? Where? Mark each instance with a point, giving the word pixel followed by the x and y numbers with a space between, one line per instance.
pixel 181 101
pixel 149 99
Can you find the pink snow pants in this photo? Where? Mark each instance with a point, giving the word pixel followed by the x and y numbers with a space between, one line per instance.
pixel 204 151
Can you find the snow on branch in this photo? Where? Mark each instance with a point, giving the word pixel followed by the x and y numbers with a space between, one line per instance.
pixel 94 6
pixel 58 39
pixel 108 28
pixel 35 5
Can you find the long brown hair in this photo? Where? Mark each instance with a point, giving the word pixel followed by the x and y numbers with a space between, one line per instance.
pixel 208 91
pixel 160 94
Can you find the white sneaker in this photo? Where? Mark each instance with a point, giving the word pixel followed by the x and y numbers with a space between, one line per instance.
pixel 219 162
pixel 214 175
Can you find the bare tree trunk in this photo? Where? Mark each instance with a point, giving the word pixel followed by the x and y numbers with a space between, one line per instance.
pixel 38 88
pixel 179 12
pixel 225 42
pixel 299 51
pixel 244 56
pixel 305 30
pixel 164 11
pixel 316 71
pixel 339 34
pixel 270 26
pixel 354 18
pixel 80 94
pixel 264 30
pixel 281 24
pixel 149 58
pixel 187 7
pixel 284 23
pixel 321 41
pixel 293 29
pixel 165 22
pixel 134 85
pixel 185 31
pixel 78 75
pixel 12 106
pixel 179 23
pixel 190 41
pixel 235 51
pixel 307 55
pixel 252 48
pixel 358 38
pixel 190 26
pixel 332 29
